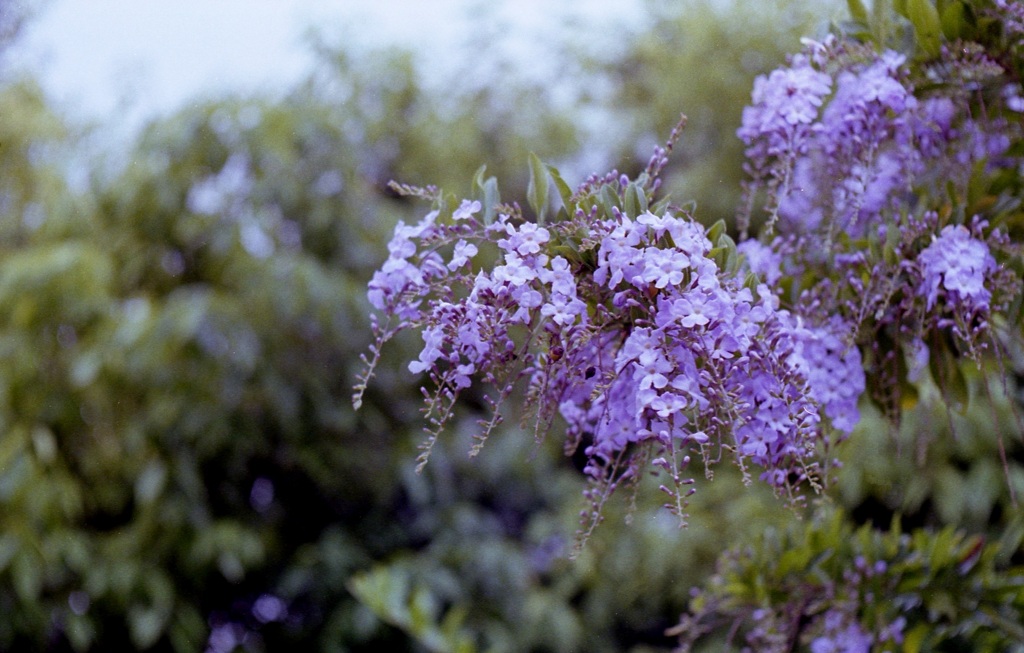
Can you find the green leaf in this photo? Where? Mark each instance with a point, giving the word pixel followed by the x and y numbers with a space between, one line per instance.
pixel 486 190
pixel 27 577
pixel 422 611
pixel 913 640
pixel 953 20
pixel 478 178
pixel 1011 539
pixel 927 26
pixel 728 257
pixel 716 230
pixel 609 200
pixel 751 282
pixel 146 624
pixel 659 207
pixel 857 11
pixel 537 191
pixel 794 561
pixel 491 200
pixel 892 241
pixel 948 375
pixel 636 200
pixel 8 548
pixel 568 253
pixel 383 590
pixel 563 188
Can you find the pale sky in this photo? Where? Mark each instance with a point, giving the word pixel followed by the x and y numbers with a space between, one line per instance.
pixel 125 60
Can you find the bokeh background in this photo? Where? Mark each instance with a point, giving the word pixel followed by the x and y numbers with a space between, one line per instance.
pixel 184 246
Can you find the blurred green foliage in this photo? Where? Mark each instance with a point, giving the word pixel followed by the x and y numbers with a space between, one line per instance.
pixel 700 58
pixel 179 341
pixel 945 590
pixel 178 345
pixel 157 374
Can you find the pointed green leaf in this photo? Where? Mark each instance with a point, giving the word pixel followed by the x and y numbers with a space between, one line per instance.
pixel 659 207
pixel 915 638
pixel 537 191
pixel 478 178
pixel 568 253
pixel 953 21
pixel 892 238
pixel 927 27
pixel 732 258
pixel 1011 540
pixel 948 375
pixel 629 203
pixel 858 11
pixel 716 230
pixel 492 198
pixel 563 188
pixel 635 200
pixel 609 200
pixel 751 281
pixel 486 190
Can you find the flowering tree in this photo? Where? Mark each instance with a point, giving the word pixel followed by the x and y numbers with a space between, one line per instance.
pixel 877 252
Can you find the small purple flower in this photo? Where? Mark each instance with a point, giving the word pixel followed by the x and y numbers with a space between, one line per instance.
pixel 1013 99
pixel 466 210
pixel 662 267
pixel 526 240
pixel 516 271
pixel 389 287
pixel 463 252
pixel 433 341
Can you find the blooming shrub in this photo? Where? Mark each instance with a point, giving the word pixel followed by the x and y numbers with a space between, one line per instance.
pixel 884 188
pixel 833 588
pixel 648 340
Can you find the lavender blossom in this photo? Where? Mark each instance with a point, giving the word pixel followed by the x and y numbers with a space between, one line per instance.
pixel 785 104
pixel 842 635
pixel 955 266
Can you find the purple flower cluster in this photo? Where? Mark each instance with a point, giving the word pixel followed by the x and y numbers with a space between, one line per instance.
pixel 1011 13
pixel 850 190
pixel 839 139
pixel 785 106
pixel 954 270
pixel 396 288
pixel 831 363
pixel 651 343
pixel 762 260
pixel 846 157
pixel 702 359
